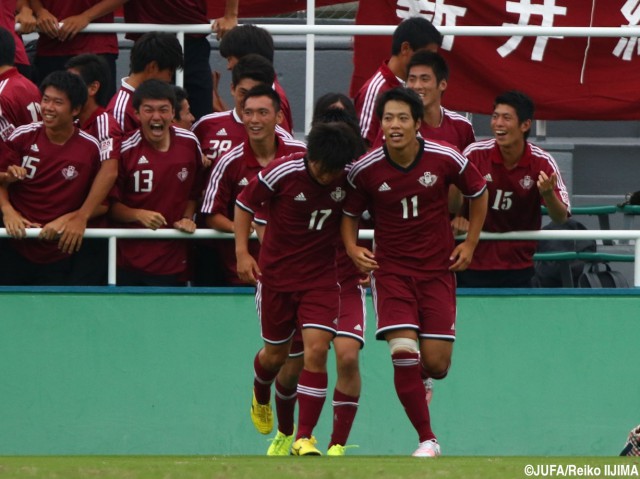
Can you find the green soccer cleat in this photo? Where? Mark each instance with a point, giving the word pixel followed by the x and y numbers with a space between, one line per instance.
pixel 262 416
pixel 338 450
pixel 305 447
pixel 280 445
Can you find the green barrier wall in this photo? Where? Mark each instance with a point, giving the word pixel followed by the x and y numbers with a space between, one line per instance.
pixel 172 374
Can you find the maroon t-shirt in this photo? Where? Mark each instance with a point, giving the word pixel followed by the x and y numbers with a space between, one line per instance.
pixel 8 21
pixel 121 107
pixel 162 182
pixel 409 205
pixel 298 251
pixel 82 42
pixel 514 203
pixel 19 102
pixel 59 178
pixel 175 12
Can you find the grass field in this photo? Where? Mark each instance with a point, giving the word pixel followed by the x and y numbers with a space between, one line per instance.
pixel 355 467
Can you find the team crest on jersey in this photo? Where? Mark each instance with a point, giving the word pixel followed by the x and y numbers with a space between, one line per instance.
pixel 526 182
pixel 183 174
pixel 69 172
pixel 6 133
pixel 428 179
pixel 338 195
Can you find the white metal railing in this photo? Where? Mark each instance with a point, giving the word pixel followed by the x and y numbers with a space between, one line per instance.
pixel 134 233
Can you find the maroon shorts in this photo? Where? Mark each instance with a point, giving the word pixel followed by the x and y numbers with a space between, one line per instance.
pixel 353 310
pixel 425 305
pixel 282 313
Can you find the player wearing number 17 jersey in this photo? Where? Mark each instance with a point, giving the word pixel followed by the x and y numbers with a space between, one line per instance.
pixel 296 276
pixel 405 185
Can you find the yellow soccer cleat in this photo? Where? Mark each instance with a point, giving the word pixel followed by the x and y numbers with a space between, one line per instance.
pixel 338 450
pixel 262 416
pixel 305 447
pixel 280 445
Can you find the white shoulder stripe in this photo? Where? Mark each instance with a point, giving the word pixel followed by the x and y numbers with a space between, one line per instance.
pixel 280 171
pixel 216 175
pixel 132 141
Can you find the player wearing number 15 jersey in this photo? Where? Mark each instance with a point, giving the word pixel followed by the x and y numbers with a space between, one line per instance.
pixel 520 177
pixel 297 277
pixel 405 185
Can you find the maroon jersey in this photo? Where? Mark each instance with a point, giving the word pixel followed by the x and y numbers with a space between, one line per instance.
pixel 159 181
pixel 103 126
pixel 8 21
pixel 121 107
pixel 174 12
pixel 228 178
pixel 409 205
pixel 514 202
pixel 82 42
pixel 58 180
pixel 219 132
pixel 19 102
pixel 365 100
pixel 454 128
pixel 299 246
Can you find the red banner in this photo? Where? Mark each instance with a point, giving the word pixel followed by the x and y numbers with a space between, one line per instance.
pixel 568 78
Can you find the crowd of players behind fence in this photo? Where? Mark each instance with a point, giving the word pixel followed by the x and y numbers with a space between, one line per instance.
pixel 131 155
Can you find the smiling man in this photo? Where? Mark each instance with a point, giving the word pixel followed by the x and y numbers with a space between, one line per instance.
pixel 261 113
pixel 158 183
pixel 405 184
pixel 520 177
pixel 61 163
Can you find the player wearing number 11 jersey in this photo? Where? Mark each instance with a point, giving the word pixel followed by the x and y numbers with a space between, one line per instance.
pixel 405 185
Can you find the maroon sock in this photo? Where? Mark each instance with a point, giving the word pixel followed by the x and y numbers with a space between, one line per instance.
pixel 262 380
pixel 285 407
pixel 344 412
pixel 406 377
pixel 312 391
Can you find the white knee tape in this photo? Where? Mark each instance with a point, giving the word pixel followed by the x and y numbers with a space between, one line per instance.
pixel 406 345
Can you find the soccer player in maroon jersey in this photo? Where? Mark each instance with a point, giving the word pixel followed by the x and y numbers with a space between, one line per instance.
pixel 520 177
pixel 184 118
pixel 154 55
pixel 19 98
pixel 61 162
pixel 12 12
pixel 260 114
pixel 250 39
pixel 405 185
pixel 296 274
pixel 158 185
pixel 94 119
pixel 60 24
pixel 412 35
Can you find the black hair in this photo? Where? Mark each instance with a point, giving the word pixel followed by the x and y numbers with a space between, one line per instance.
pixel 155 90
pixel 325 111
pixel 72 85
pixel 331 146
pixel 418 32
pixel 181 95
pixel 92 68
pixel 246 39
pixel 265 90
pixel 403 95
pixel 7 47
pixel 162 48
pixel 255 67
pixel 521 103
pixel 433 60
